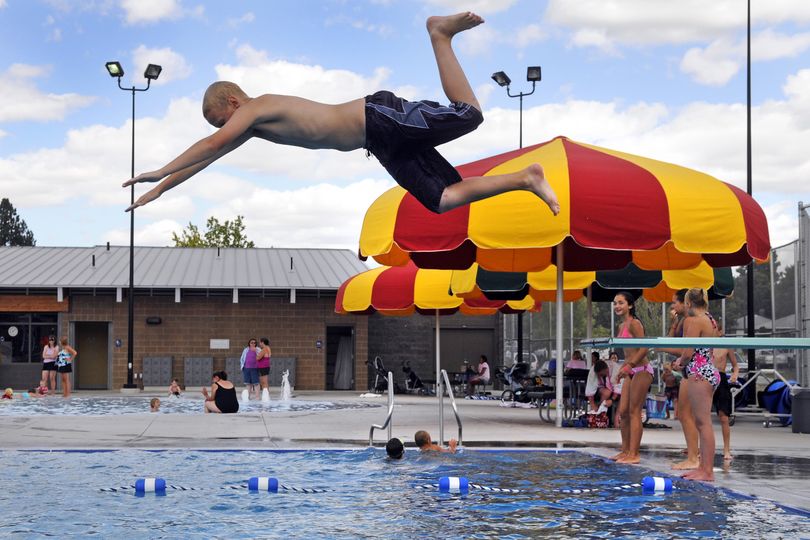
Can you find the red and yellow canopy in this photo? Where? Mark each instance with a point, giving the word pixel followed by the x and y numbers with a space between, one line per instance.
pixel 617 208
pixel 404 290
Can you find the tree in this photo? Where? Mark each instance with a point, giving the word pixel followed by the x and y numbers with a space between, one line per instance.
pixel 225 234
pixel 13 230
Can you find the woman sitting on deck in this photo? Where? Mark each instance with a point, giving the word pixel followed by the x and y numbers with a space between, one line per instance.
pixel 222 398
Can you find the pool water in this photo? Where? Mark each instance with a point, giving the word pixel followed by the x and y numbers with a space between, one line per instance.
pixel 59 493
pixel 114 406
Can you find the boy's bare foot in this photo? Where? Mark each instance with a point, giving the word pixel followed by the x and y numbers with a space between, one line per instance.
pixel 686 465
pixel 617 457
pixel 629 460
pixel 540 187
pixel 450 25
pixel 728 457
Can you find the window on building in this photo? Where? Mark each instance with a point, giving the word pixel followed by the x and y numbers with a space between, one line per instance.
pixel 23 335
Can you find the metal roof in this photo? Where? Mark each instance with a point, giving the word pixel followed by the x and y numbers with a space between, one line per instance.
pixel 174 267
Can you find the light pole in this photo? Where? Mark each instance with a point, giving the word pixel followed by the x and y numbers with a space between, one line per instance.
pixel 152 73
pixel 533 75
pixel 752 359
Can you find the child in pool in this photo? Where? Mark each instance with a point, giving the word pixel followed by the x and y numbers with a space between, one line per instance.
pixel 154 405
pixel 174 388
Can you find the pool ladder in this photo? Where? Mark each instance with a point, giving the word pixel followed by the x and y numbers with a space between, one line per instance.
pixel 387 423
pixel 440 393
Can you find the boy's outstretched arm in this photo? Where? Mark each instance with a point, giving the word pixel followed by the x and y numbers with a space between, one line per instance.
pixel 237 128
pixel 177 178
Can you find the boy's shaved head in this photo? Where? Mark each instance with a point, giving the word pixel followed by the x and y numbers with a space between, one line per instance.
pixel 217 94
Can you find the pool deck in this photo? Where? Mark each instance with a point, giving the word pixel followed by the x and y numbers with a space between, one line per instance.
pixel 773 463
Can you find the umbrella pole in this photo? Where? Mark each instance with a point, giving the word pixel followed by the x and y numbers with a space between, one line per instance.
pixel 589 329
pixel 439 382
pixel 559 373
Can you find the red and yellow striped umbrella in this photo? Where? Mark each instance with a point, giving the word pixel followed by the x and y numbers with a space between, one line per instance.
pixel 617 208
pixel 405 290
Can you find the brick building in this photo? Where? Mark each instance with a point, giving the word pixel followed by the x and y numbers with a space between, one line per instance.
pixel 190 304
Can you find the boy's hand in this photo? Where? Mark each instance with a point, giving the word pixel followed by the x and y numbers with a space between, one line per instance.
pixel 452 445
pixel 149 196
pixel 152 176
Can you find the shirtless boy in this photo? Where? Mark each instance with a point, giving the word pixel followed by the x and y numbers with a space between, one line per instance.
pixel 401 134
pixel 425 444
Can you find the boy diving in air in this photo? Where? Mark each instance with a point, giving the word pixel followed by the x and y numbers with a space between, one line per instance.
pixel 401 134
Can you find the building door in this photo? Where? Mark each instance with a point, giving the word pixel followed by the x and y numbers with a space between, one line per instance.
pixel 339 358
pixel 465 344
pixel 92 364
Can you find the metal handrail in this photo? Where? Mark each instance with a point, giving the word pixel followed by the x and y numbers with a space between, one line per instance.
pixel 387 422
pixel 453 404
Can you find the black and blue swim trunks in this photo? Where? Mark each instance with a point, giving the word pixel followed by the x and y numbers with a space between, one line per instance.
pixel 403 135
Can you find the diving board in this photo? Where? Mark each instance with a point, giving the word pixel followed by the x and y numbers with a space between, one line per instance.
pixel 684 342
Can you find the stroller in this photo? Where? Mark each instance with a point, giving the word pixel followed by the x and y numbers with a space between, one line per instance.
pixel 517 382
pixel 413 384
pixel 381 377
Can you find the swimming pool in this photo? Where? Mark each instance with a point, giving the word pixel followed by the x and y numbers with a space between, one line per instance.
pixel 113 406
pixel 58 493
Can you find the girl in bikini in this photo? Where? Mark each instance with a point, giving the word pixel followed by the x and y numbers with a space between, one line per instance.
pixel 703 379
pixel 636 374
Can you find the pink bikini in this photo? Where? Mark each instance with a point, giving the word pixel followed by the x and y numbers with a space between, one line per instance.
pixel 624 332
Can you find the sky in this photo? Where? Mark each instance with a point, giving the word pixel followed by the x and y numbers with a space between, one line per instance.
pixel 662 79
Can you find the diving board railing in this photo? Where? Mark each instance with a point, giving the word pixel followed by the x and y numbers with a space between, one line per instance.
pixel 452 404
pixel 387 423
pixel 675 342
pixel 719 342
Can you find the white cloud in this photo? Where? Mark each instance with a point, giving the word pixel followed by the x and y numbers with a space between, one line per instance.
pixel 2 4
pixel 246 18
pixel 175 67
pixel 150 11
pixel 481 7
pixel 772 45
pixel 255 69
pixel 322 215
pixel 383 30
pixel 22 100
pixel 529 35
pixel 783 225
pixel 656 22
pixel 715 65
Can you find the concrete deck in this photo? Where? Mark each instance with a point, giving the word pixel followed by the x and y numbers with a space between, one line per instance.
pixel 773 463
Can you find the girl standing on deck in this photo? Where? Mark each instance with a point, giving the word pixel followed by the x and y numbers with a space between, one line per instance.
pixel 703 378
pixel 683 410
pixel 64 364
pixel 637 375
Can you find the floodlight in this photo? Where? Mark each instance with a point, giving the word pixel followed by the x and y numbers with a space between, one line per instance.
pixel 501 78
pixel 533 73
pixel 114 69
pixel 153 72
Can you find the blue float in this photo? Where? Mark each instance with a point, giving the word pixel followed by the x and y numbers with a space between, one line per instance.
pixel 453 484
pixel 656 484
pixel 263 483
pixel 150 485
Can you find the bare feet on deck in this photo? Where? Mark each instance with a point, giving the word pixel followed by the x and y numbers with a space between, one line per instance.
pixel 617 457
pixel 629 460
pixel 538 185
pixel 450 25
pixel 686 465
pixel 699 475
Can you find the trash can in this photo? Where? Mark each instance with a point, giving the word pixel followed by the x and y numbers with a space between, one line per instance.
pixel 801 411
